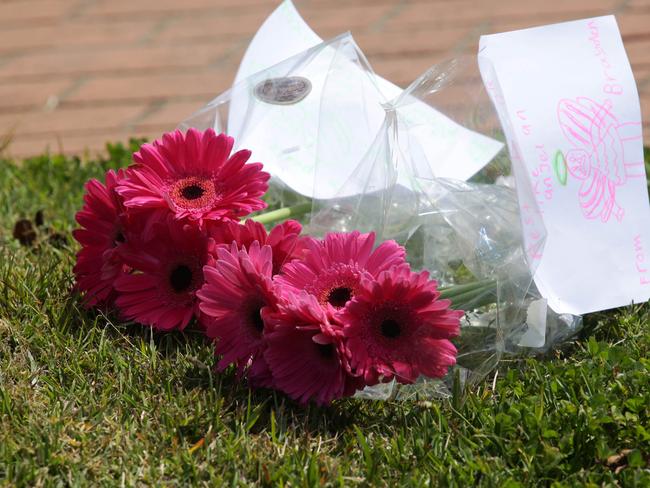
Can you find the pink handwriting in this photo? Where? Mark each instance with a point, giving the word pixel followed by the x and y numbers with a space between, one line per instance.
pixel 530 216
pixel 603 157
pixel 541 186
pixel 542 177
pixel 526 129
pixel 640 261
pixel 609 87
pixel 496 94
pixel 542 181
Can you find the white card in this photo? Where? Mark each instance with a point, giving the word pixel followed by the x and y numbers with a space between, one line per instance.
pixel 568 103
pixel 286 137
pixel 315 144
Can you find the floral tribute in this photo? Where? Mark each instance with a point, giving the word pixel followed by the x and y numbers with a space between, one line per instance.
pixel 162 242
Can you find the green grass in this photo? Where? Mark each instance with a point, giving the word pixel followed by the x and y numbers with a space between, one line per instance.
pixel 87 400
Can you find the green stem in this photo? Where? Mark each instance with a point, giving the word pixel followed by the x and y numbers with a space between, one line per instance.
pixel 472 295
pixel 283 213
pixel 451 291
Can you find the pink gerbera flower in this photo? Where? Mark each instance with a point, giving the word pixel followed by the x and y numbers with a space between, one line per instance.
pixel 102 222
pixel 237 290
pixel 333 267
pixel 397 327
pixel 167 270
pixel 284 239
pixel 305 353
pixel 194 176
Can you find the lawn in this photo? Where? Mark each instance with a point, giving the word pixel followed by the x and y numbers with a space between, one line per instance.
pixel 87 400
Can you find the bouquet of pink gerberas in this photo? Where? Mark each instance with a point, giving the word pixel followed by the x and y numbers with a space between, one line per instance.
pixel 163 243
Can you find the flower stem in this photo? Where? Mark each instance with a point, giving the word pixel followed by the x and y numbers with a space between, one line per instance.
pixel 451 291
pixel 471 295
pixel 283 213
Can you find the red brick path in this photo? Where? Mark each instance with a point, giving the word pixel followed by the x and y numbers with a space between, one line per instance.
pixel 76 73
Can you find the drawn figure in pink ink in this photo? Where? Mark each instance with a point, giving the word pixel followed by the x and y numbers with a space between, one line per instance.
pixel 604 154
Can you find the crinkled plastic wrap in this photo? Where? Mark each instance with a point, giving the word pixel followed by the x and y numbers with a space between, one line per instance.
pixel 429 169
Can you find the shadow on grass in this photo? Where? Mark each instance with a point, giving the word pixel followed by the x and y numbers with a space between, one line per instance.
pixel 261 407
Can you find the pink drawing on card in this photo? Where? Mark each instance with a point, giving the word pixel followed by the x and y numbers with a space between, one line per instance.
pixel 604 154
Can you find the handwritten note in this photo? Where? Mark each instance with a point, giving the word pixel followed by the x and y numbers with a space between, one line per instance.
pixel 315 144
pixel 568 103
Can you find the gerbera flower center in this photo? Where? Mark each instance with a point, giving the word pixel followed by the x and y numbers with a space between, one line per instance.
pixel 325 350
pixel 193 193
pixel 256 319
pixel 339 296
pixel 390 328
pixel 118 238
pixel 180 278
pixel 336 285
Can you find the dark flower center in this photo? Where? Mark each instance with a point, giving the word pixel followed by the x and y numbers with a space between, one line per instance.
pixel 256 319
pixel 325 350
pixel 119 238
pixel 390 328
pixel 192 192
pixel 339 296
pixel 180 278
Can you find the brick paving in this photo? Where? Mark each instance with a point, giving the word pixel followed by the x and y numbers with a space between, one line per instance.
pixel 77 73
